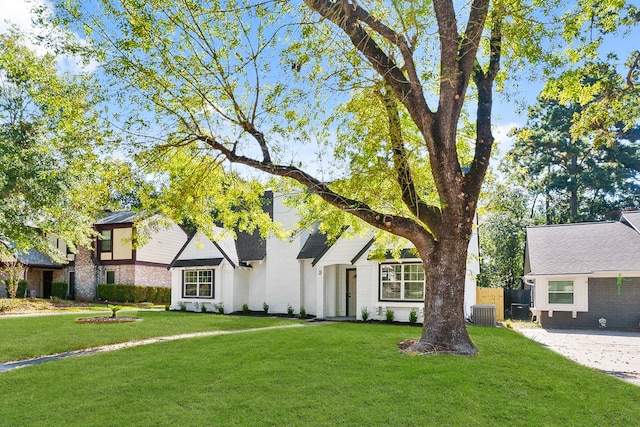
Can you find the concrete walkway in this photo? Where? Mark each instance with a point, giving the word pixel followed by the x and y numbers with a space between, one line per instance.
pixel 616 353
pixel 8 366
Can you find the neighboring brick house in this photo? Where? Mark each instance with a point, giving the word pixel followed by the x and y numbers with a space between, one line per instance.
pixel 39 270
pixel 585 275
pixel 116 259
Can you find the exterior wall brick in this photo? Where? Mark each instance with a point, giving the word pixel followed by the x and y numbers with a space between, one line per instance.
pixel 621 311
pixel 86 274
pixel 149 275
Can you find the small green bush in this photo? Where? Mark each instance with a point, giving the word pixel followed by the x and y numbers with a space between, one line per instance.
pixel 220 308
pixel 303 313
pixel 289 310
pixel 364 312
pixel 413 316
pixel 390 315
pixel 245 309
pixel 22 288
pixel 59 289
pixel 265 307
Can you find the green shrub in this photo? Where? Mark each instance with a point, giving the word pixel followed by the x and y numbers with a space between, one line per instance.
pixel 59 289
pixel 303 313
pixel 364 312
pixel 220 308
pixel 245 309
pixel 289 310
pixel 136 294
pixel 21 289
pixel 390 315
pixel 265 307
pixel 413 316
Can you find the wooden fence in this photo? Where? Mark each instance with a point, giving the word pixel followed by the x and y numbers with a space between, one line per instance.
pixel 492 296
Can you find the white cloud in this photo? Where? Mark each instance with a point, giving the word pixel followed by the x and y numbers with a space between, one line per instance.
pixel 20 14
pixel 503 141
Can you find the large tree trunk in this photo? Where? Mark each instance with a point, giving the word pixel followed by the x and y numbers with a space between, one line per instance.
pixel 444 329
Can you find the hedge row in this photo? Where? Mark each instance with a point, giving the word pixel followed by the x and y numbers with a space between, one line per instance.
pixel 59 289
pixel 135 294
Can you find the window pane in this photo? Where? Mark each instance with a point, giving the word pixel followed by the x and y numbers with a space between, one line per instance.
pixel 205 290
pixel 391 290
pixel 191 289
pixel 413 272
pixel 191 276
pixel 559 298
pixel 205 276
pixel 561 286
pixel 105 243
pixel 414 290
pixel 111 277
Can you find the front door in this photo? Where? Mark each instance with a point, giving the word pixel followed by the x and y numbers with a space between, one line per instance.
pixel 351 292
pixel 47 279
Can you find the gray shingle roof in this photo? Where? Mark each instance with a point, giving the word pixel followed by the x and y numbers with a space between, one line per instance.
pixel 314 247
pixel 34 258
pixel 582 248
pixel 123 217
pixel 633 218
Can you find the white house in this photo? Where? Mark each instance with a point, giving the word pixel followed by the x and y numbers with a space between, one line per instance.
pixel 336 280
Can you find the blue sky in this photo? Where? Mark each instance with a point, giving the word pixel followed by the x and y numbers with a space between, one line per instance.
pixel 506 114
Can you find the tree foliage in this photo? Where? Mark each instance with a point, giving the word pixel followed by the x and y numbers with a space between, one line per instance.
pixel 575 178
pixel 48 130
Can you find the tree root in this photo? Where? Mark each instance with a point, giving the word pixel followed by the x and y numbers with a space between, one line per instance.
pixel 417 347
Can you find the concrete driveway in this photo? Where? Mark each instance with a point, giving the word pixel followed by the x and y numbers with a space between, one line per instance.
pixel 616 353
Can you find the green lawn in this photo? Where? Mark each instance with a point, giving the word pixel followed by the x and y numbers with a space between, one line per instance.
pixel 25 337
pixel 338 374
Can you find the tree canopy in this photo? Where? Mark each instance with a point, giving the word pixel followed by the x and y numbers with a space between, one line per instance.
pixel 48 133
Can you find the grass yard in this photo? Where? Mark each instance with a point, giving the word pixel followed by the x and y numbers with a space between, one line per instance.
pixel 26 337
pixel 335 374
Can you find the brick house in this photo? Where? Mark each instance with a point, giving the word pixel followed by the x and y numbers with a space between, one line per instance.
pixel 585 275
pixel 119 254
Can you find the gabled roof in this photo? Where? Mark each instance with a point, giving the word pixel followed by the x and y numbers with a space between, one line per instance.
pixel 632 218
pixel 314 247
pixel 582 248
pixel 123 217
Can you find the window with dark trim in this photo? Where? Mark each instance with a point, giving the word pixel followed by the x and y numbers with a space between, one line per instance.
pixel 110 277
pixel 401 282
pixel 198 284
pixel 106 243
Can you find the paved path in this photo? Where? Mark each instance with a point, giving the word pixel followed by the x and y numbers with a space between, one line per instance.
pixel 8 366
pixel 616 353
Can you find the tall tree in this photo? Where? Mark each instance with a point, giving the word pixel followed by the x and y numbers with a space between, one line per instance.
pixel 251 83
pixel 48 128
pixel 502 217
pixel 577 178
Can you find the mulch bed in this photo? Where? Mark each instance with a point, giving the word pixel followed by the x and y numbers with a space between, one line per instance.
pixel 120 319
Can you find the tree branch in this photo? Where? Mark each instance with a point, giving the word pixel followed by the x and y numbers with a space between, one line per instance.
pixel 403 227
pixel 484 135
pixel 430 216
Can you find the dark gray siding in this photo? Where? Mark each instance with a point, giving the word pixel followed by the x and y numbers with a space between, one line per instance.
pixel 621 311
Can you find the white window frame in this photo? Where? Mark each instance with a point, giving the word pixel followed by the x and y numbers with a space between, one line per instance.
pixel 561 292
pixel 199 282
pixel 402 281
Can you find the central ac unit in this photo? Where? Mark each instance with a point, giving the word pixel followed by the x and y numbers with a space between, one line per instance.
pixel 484 314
